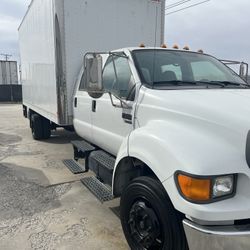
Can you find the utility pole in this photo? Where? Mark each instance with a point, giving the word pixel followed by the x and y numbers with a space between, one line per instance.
pixel 6 56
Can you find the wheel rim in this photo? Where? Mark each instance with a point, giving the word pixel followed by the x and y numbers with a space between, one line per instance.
pixel 144 226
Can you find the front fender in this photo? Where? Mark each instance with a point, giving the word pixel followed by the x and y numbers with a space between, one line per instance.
pixel 201 150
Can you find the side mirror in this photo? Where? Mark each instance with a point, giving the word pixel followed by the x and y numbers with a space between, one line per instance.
pixel 244 71
pixel 93 75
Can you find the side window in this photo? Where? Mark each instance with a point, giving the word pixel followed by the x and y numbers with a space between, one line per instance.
pixel 82 85
pixel 109 75
pixel 123 84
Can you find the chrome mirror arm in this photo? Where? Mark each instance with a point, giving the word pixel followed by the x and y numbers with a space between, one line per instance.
pixel 123 103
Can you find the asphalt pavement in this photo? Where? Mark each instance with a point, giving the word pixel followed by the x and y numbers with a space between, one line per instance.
pixel 43 206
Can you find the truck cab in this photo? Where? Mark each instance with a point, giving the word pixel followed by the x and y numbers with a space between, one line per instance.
pixel 176 123
pixel 102 120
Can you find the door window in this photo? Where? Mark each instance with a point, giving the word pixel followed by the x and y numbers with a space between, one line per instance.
pixel 82 86
pixel 118 78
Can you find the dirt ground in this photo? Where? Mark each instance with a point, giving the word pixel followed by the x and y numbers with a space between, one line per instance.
pixel 43 206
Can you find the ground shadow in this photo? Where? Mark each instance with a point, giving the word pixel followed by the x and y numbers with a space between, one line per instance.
pixel 22 195
pixel 61 136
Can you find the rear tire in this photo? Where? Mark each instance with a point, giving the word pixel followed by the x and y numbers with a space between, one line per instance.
pixel 40 127
pixel 46 128
pixel 36 126
pixel 149 219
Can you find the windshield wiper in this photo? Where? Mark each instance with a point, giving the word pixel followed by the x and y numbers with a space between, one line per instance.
pixel 221 84
pixel 211 83
pixel 227 83
pixel 175 82
pixel 185 83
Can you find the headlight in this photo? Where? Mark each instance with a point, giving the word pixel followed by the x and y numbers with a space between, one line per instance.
pixel 199 189
pixel 223 185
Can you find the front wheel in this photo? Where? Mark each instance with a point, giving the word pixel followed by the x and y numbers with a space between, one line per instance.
pixel 149 219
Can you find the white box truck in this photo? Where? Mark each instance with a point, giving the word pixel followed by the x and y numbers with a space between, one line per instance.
pixel 165 130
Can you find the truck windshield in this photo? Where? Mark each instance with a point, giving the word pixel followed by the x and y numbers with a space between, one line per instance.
pixel 170 68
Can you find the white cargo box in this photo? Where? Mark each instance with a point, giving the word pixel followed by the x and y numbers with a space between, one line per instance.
pixel 55 34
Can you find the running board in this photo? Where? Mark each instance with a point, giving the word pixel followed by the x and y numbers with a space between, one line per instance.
pixel 74 167
pixel 83 146
pixel 82 149
pixel 102 164
pixel 98 189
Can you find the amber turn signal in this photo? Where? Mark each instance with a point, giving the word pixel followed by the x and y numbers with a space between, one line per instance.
pixel 195 189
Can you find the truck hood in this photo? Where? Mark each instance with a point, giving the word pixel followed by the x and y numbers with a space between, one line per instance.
pixel 228 107
pixel 206 125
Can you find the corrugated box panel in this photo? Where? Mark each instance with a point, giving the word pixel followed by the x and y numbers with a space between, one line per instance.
pixel 8 72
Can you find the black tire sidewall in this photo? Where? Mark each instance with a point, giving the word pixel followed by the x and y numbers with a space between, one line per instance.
pixel 150 190
pixel 36 128
pixel 46 128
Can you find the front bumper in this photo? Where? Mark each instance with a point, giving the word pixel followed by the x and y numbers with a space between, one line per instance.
pixel 217 237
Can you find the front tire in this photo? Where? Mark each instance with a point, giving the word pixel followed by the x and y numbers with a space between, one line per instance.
pixel 149 219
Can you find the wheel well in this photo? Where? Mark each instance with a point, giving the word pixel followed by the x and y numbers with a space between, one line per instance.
pixel 128 169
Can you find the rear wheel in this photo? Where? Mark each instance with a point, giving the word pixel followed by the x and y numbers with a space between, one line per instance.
pixel 46 128
pixel 40 127
pixel 149 219
pixel 36 126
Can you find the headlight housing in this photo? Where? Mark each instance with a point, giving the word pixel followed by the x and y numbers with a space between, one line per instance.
pixel 205 189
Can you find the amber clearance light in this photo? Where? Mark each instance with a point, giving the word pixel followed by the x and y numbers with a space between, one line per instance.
pixel 194 189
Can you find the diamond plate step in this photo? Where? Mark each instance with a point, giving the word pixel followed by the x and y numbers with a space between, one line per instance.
pixel 74 167
pixel 104 159
pixel 83 146
pixel 101 191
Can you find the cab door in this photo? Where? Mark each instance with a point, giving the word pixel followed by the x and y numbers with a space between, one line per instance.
pixel 112 123
pixel 82 111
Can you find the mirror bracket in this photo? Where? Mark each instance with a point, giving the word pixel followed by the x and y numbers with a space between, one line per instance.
pixel 123 103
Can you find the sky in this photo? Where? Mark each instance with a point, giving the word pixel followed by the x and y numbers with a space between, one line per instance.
pixel 219 27
pixel 11 13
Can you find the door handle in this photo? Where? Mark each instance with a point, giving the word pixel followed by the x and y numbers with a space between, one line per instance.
pixel 94 106
pixel 75 102
pixel 127 118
